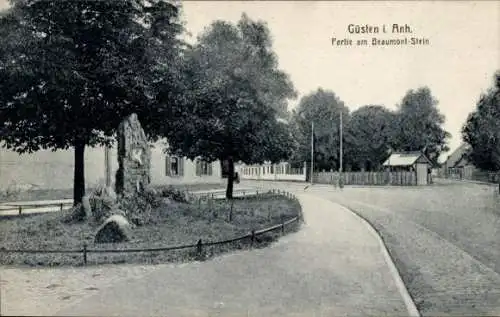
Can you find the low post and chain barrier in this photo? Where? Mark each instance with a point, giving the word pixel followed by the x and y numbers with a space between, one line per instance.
pixel 15 207
pixel 252 235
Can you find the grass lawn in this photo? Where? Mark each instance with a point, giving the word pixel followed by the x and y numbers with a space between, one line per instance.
pixel 49 194
pixel 170 224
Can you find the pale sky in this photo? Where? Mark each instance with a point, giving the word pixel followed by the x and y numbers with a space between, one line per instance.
pixel 457 65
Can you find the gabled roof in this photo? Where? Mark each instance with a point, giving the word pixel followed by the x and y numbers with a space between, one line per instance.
pixel 404 159
pixel 456 156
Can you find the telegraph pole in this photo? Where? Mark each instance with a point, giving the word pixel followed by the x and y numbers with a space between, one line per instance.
pixel 341 151
pixel 341 184
pixel 312 152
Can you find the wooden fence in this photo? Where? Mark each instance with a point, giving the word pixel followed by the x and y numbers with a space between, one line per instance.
pixel 33 208
pixel 367 178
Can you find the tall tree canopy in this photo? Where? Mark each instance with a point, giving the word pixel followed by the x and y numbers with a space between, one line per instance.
pixel 369 136
pixel 235 95
pixel 419 125
pixel 482 129
pixel 71 70
pixel 323 108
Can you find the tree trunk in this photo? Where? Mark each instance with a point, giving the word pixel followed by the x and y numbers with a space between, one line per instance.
pixel 79 173
pixel 107 159
pixel 230 178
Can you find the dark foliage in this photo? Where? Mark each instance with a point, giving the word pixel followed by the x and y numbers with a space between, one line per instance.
pixel 482 130
pixel 71 70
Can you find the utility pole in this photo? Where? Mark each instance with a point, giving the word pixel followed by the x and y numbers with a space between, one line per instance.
pixel 312 151
pixel 341 152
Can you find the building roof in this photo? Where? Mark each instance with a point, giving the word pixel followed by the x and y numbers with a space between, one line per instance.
pixel 456 156
pixel 404 159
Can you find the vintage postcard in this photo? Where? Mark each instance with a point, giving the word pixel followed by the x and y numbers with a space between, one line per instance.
pixel 249 158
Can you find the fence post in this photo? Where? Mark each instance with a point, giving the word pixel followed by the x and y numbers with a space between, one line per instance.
pixel 282 226
pixel 231 211
pixel 61 206
pixel 252 238
pixel 85 253
pixel 199 246
pixel 20 209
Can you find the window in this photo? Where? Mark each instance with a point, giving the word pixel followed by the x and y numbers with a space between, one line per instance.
pixel 203 168
pixel 174 166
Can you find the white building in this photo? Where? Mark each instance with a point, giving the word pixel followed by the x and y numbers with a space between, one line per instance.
pixel 49 169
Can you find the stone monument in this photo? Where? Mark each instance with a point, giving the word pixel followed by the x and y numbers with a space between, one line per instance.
pixel 134 158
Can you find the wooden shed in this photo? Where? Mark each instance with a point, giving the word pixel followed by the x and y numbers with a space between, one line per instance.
pixel 415 162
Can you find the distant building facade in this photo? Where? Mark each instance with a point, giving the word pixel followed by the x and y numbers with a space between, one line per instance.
pixel 49 169
pixel 457 165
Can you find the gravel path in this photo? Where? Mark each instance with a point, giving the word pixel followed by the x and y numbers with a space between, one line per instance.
pixel 332 267
pixel 42 292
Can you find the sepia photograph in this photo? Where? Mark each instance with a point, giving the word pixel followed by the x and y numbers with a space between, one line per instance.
pixel 249 158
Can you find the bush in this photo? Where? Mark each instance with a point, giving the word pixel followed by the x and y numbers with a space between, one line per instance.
pixel 173 194
pixel 141 203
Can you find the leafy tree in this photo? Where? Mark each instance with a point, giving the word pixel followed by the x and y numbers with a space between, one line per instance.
pixel 369 136
pixel 71 70
pixel 482 130
pixel 419 125
pixel 235 94
pixel 323 108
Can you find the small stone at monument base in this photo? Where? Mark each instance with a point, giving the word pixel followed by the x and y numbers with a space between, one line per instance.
pixel 115 229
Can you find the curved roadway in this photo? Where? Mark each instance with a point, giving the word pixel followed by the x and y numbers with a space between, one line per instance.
pixel 444 238
pixel 332 267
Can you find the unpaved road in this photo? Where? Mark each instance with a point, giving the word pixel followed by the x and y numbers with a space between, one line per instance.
pixel 332 267
pixel 445 240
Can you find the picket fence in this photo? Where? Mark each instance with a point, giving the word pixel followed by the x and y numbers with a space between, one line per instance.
pixel 367 178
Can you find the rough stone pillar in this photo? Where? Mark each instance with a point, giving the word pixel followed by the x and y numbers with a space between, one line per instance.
pixel 134 157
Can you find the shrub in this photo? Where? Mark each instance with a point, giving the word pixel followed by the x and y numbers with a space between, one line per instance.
pixel 173 194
